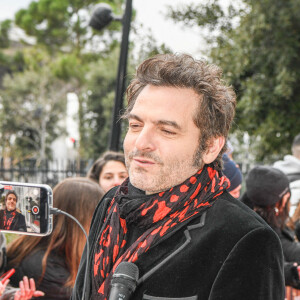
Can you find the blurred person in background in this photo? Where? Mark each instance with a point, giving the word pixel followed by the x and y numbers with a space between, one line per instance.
pixel 109 170
pixel 290 165
pixel 267 189
pixel 294 221
pixel 26 288
pixel 10 218
pixel 232 171
pixel 53 260
pixel 230 149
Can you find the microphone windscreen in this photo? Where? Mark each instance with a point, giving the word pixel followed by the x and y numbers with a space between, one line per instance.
pixel 126 271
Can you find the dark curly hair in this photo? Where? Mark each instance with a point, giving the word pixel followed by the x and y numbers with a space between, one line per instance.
pixel 217 101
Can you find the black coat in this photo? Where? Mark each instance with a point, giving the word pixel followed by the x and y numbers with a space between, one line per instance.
pixel 291 248
pixel 227 253
pixel 18 223
pixel 54 279
pixel 291 252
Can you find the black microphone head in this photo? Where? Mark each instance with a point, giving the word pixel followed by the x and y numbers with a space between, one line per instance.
pixel 124 281
pixel 127 274
pixel 128 270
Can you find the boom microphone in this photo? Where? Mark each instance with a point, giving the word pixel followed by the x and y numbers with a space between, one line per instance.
pixel 124 281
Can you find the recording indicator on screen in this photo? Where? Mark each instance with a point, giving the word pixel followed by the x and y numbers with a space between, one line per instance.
pixel 35 210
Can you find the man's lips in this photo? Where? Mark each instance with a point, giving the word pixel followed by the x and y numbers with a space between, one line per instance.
pixel 143 161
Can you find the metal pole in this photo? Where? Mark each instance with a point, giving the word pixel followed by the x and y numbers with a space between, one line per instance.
pixel 114 140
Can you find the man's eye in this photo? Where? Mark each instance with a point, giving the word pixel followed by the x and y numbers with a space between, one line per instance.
pixel 168 132
pixel 134 126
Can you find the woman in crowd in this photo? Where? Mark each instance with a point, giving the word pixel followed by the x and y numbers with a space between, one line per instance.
pixel 10 219
pixel 109 170
pixel 268 193
pixel 53 260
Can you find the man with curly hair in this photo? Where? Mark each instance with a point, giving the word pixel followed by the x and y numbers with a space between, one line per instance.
pixel 173 217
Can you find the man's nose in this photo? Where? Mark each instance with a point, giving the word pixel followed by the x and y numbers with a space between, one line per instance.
pixel 145 140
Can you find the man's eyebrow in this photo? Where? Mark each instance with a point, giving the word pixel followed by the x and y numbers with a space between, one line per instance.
pixel 133 116
pixel 159 122
pixel 168 123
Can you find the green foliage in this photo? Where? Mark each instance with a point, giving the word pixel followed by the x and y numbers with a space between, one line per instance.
pixel 36 97
pixel 8 62
pixel 47 20
pixel 61 25
pixel 4 30
pixel 68 66
pixel 257 44
pixel 32 102
pixel 96 105
pixel 68 56
pixel 11 237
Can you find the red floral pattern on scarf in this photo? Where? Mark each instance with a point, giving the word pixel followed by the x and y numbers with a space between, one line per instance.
pixel 158 214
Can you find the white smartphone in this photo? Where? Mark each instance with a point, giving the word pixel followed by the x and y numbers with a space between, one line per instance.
pixel 25 208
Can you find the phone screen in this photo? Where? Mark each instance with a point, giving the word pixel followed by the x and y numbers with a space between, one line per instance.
pixel 25 208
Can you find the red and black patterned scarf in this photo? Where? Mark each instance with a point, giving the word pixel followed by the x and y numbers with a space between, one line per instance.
pixel 8 218
pixel 157 214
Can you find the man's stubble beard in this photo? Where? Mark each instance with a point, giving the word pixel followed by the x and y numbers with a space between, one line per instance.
pixel 164 180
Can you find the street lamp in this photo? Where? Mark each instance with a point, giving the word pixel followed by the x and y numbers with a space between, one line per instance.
pixel 101 17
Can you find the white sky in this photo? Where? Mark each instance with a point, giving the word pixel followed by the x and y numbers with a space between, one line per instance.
pixel 151 14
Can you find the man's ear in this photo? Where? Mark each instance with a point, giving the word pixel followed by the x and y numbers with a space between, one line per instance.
pixel 214 148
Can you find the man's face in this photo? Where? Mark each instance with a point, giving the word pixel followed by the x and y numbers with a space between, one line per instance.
pixel 162 139
pixel 11 202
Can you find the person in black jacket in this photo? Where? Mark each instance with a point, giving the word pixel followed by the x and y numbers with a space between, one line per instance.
pixel 268 192
pixel 10 219
pixel 173 217
pixel 53 260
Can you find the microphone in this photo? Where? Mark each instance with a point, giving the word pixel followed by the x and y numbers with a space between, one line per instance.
pixel 124 281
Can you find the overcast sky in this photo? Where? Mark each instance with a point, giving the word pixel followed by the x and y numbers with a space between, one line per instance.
pixel 151 14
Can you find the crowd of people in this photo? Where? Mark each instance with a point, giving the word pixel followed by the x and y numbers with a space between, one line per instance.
pixel 172 206
pixel 52 261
